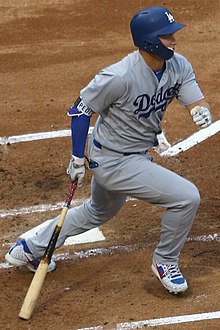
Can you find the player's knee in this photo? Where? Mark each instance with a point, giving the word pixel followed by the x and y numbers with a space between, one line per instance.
pixel 193 196
pixel 99 217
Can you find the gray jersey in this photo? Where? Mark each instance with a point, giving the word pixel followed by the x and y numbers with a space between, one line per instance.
pixel 131 102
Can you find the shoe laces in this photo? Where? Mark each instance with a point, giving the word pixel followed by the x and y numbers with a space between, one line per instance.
pixel 172 271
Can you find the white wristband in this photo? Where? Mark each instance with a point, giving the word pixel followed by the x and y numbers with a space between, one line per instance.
pixel 78 161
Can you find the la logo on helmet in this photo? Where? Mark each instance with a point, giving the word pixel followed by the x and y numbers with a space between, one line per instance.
pixel 170 17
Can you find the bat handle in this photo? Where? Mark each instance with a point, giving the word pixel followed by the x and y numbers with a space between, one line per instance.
pixel 50 248
pixel 71 193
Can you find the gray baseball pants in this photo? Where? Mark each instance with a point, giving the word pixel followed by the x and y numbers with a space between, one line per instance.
pixel 116 177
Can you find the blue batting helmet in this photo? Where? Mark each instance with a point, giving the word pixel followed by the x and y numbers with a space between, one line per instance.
pixel 150 23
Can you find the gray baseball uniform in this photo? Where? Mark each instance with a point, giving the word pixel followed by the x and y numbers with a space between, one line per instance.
pixel 131 103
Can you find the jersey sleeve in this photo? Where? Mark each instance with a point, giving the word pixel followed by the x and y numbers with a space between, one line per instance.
pixel 102 91
pixel 190 91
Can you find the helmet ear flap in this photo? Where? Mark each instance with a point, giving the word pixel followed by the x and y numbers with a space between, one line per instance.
pixel 150 47
pixel 155 47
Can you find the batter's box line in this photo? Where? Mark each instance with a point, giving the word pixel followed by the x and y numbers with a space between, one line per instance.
pixel 43 208
pixel 84 254
pixel 162 321
pixel 192 140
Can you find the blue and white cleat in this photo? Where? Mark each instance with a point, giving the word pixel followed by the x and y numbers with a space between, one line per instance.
pixel 20 255
pixel 170 276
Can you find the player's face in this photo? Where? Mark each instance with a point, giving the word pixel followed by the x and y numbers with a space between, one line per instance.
pixel 168 40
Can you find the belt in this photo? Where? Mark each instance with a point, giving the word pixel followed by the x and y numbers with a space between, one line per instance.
pixel 99 146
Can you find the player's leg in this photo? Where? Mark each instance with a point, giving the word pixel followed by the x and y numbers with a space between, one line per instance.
pixel 181 200
pixel 100 208
pixel 143 179
pixel 140 178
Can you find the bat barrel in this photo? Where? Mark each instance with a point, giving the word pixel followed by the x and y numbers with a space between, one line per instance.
pixel 33 291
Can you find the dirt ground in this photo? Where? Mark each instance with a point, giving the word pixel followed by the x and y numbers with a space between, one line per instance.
pixel 50 50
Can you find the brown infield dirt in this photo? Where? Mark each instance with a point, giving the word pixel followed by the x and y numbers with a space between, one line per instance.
pixel 49 51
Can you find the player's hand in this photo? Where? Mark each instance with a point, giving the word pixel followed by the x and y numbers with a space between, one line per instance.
pixel 76 169
pixel 201 116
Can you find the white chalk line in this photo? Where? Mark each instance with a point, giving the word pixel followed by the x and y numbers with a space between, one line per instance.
pixel 113 249
pixel 37 136
pixel 205 238
pixel 169 320
pixel 37 208
pixel 42 208
pixel 162 321
pixel 84 254
pixel 192 140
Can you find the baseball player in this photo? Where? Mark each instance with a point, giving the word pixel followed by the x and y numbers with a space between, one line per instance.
pixel 131 98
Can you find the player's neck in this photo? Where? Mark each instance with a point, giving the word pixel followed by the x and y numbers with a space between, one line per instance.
pixel 154 62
